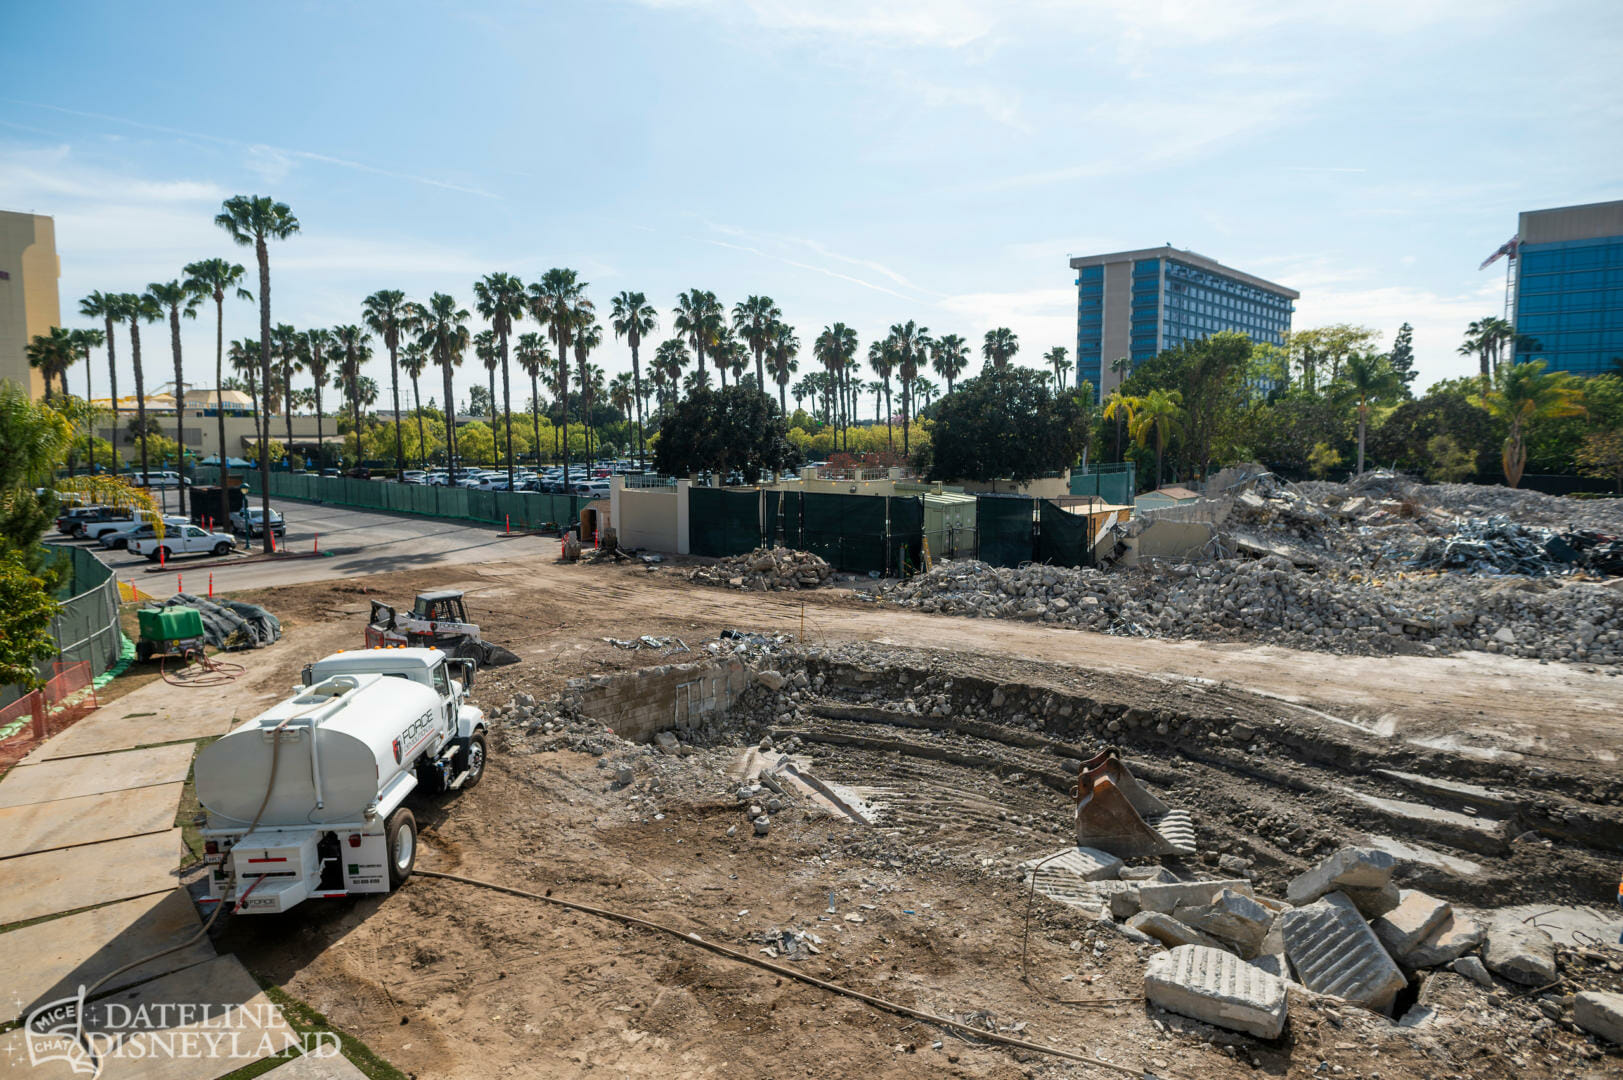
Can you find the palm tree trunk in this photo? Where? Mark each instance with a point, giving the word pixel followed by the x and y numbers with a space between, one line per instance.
pixel 783 400
pixel 112 374
pixel 261 417
pixel 422 438
pixel 535 415
pixel 507 410
pixel 219 401
pixel 287 408
pixel 907 417
pixel 354 407
pixel 140 393
pixel 319 430
pixel 1361 419
pixel 394 391
pixel 180 407
pixel 450 421
pixel 890 435
pixel 760 372
pixel 563 395
pixel 636 388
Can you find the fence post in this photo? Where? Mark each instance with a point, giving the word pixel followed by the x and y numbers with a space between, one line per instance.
pixel 36 706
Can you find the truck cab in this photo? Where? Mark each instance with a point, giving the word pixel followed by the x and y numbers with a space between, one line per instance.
pixel 307 800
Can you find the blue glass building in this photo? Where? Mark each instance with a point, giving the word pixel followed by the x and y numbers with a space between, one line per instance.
pixel 1133 304
pixel 1569 288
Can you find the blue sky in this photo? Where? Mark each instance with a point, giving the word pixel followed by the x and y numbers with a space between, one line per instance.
pixel 934 160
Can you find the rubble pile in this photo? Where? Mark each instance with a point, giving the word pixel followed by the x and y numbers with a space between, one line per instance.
pixel 1274 600
pixel 766 569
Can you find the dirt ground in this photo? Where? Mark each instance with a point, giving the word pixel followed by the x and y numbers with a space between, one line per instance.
pixel 451 982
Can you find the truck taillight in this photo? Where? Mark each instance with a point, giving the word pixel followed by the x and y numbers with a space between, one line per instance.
pixel 354 839
pixel 212 847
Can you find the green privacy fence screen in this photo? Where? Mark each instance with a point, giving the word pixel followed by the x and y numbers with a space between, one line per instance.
pixel 86 627
pixel 1115 483
pixel 524 509
pixel 905 537
pixel 1005 527
pixel 848 531
pixel 722 522
pixel 1063 539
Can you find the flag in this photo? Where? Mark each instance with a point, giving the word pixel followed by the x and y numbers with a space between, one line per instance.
pixel 1507 249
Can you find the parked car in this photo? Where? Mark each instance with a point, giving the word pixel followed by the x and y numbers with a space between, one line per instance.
pixel 414 476
pixel 114 539
pixel 90 529
pixel 76 521
pixel 166 478
pixel 251 520
pixel 186 540
pixel 594 489
pixel 330 471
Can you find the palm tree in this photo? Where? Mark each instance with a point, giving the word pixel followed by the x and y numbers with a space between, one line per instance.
pixel 696 380
pixel 387 314
pixel 351 341
pixel 729 354
pixel 444 337
pixel 1055 358
pixel 1486 339
pixel 834 348
pixel 177 300
pixel 533 358
pixel 910 342
pixel 802 390
pixel 244 357
pixel 140 309
pixel 1368 376
pixel 999 346
pixel 414 359
pixel 252 221
pixel 591 389
pixel 877 389
pixel 633 318
pixel 698 315
pixel 1157 414
pixel 50 354
pixel 882 359
pixel 499 299
pixel 782 351
pixel 925 390
pixel 484 350
pixel 83 342
pixel 622 393
pixel 558 302
pixel 212 279
pixel 1121 367
pixel 108 307
pixel 290 354
pixel 754 318
pixel 1527 395
pixel 1119 407
pixel 588 336
pixel 669 359
pixel 315 347
pixel 949 356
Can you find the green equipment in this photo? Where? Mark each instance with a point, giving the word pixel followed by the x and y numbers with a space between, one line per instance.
pixel 170 631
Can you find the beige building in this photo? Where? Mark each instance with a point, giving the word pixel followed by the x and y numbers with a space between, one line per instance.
pixel 29 304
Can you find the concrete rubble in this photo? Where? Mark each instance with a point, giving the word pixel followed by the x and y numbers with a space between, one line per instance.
pixel 1217 988
pixel 1520 952
pixel 1333 568
pixel 1333 951
pixel 1600 1014
pixel 766 569
pixel 1357 868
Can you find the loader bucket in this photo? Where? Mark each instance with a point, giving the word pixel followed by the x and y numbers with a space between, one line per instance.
pixel 1111 763
pixel 1107 820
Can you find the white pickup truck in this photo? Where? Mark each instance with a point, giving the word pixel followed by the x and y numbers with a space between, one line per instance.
pixel 306 800
pixel 183 540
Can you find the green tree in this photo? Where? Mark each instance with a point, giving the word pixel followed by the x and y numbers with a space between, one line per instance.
pixel 1331 345
pixel 754 319
pixel 833 347
pixel 84 342
pixel 634 318
pixel 882 359
pixel 212 279
pixel 1209 376
pixel 316 348
pixel 910 343
pixel 1369 378
pixel 588 336
pixel 533 358
pixel 445 338
pixel 1119 408
pixel 1402 356
pixel 1055 358
pixel 949 356
pixel 1323 458
pixel 414 360
pixel 26 614
pixel 1449 462
pixel 140 309
pixel 353 351
pixel 1005 424
pixel 1158 415
pixel 388 315
pixel 782 352
pixel 558 302
pixel 500 300
pixel 289 360
pixel 1601 456
pixel 670 358
pixel 999 346
pixel 723 430
pixel 177 300
pixel 109 308
pixel 1526 396
pixel 253 221
pixel 51 354
pixel 34 440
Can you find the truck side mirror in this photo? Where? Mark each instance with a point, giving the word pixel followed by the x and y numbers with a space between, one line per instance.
pixel 465 669
pixel 306 676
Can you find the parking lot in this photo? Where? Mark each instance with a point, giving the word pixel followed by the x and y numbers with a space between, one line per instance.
pixel 350 542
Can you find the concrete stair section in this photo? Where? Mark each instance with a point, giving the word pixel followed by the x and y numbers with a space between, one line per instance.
pixel 1217 988
pixel 1333 951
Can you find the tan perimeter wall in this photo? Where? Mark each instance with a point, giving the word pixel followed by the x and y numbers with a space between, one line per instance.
pixel 647 520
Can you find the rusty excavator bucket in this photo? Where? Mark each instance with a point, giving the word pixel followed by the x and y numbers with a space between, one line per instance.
pixel 1115 814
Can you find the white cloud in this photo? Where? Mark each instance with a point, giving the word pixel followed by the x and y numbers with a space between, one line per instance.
pixel 1040 318
pixel 939 23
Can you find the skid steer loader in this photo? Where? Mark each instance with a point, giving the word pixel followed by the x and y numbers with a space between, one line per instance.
pixel 438 620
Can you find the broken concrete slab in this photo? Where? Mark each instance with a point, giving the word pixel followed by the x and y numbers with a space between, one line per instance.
pixel 1414 920
pixel 52 882
pixel 1084 863
pixel 50 959
pixel 1600 1014
pixel 1166 898
pixel 1148 875
pixel 1124 904
pixel 87 819
pixel 1270 955
pixel 1455 936
pixel 72 777
pixel 1230 917
pixel 1170 932
pixel 1520 952
pixel 1333 951
pixel 1472 968
pixel 1217 988
pixel 1373 903
pixel 1360 868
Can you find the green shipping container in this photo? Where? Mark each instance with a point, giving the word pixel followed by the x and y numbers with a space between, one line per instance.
pixel 169 624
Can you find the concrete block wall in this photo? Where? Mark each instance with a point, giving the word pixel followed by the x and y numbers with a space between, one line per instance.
pixel 677 697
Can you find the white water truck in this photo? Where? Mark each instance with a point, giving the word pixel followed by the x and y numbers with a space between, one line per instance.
pixel 306 799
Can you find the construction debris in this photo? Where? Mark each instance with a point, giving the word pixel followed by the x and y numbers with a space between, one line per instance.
pixel 230 624
pixel 1333 951
pixel 1217 988
pixel 766 569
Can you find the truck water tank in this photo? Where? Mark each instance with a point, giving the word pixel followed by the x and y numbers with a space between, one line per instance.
pixel 357 732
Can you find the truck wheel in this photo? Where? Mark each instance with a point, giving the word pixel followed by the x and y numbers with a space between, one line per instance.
pixel 222 548
pixel 472 759
pixel 400 840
